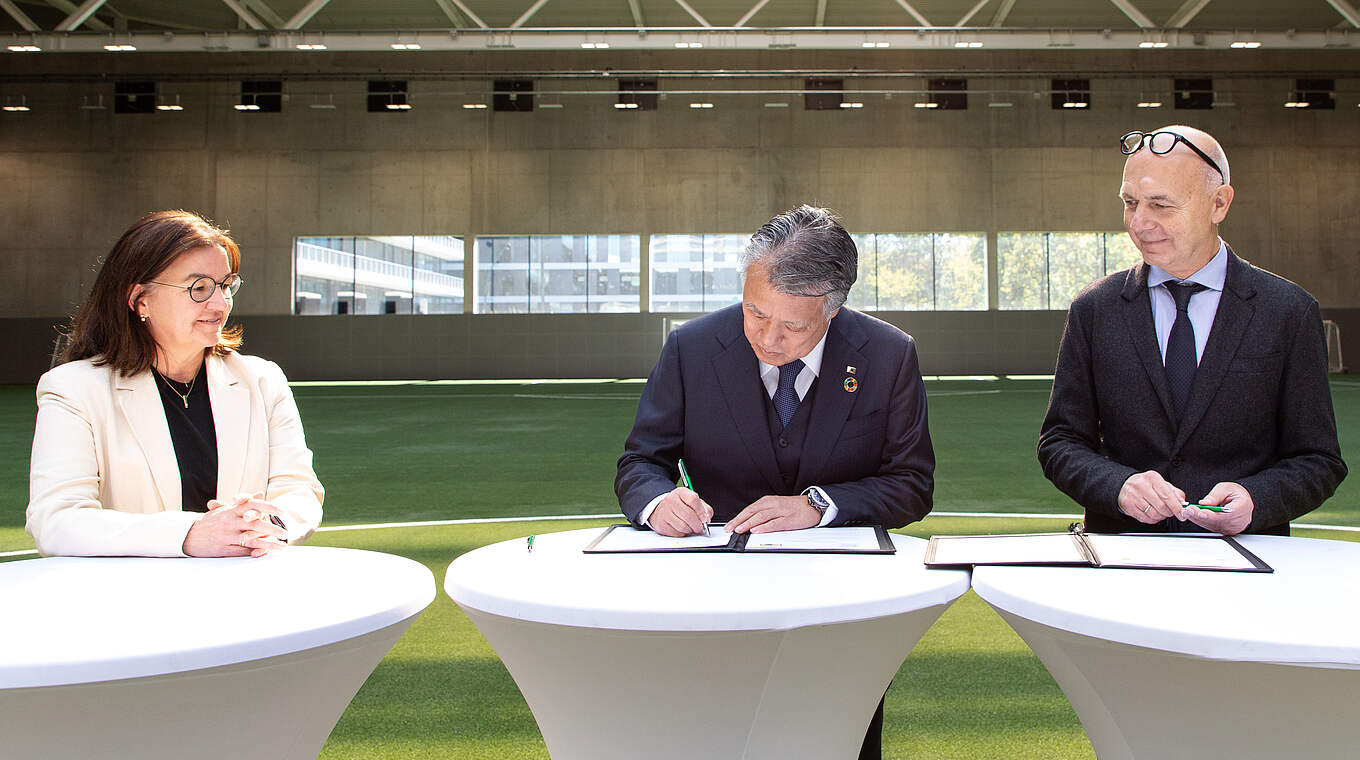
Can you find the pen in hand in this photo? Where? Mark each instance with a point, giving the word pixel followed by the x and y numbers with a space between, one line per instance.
pixel 1224 510
pixel 684 474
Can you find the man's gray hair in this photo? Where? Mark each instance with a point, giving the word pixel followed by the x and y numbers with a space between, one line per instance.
pixel 805 252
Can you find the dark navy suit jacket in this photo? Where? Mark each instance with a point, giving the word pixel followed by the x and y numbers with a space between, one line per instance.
pixel 868 448
pixel 1259 414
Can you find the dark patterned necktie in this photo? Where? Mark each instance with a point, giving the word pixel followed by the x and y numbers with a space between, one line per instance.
pixel 785 396
pixel 1180 347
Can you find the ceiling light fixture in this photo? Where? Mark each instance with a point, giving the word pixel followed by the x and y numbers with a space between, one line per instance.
pixel 925 104
pixel 120 48
pixel 246 107
pixel 594 45
pixel 852 104
pixel 689 45
pixel 1150 104
pixel 24 49
pixel 400 106
pixel 475 106
pixel 1245 45
pixel 1146 44
pixel 700 105
pixel 625 106
pixel 310 46
pixel 875 44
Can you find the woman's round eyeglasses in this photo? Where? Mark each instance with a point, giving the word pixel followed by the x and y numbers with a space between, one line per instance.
pixel 202 288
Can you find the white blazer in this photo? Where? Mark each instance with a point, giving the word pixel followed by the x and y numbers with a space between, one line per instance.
pixel 104 480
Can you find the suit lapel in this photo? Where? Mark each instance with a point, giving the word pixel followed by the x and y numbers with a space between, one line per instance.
pixel 1234 313
pixel 140 403
pixel 1137 310
pixel 739 377
pixel 231 418
pixel 833 402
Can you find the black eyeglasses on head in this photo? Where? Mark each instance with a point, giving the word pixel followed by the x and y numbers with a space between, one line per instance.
pixel 1162 143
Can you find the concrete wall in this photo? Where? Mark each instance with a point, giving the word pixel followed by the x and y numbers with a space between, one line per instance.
pixel 74 179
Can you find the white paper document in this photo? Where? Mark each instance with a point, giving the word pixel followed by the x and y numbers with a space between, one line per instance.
pixel 816 539
pixel 1166 551
pixel 1054 548
pixel 625 538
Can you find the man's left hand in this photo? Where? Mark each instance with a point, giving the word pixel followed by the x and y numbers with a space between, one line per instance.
pixel 1224 495
pixel 774 513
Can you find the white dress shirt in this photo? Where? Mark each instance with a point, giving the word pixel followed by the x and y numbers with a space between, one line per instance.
pixel 1202 306
pixel 769 376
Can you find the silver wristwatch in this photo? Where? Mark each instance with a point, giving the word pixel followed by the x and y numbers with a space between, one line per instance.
pixel 818 502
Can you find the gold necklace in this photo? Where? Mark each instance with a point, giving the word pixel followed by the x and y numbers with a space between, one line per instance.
pixel 183 396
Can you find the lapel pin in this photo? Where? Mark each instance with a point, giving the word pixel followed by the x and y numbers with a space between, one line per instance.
pixel 850 370
pixel 851 385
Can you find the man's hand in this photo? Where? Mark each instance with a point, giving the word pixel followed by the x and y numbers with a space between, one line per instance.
pixel 680 513
pixel 773 513
pixel 1148 498
pixel 1229 495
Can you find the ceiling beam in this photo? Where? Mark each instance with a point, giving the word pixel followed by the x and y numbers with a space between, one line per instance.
pixel 692 12
pixel 453 8
pixel 971 13
pixel 1135 15
pixel 19 16
pixel 821 12
pixel 1185 13
pixel 79 15
pixel 305 14
pixel 528 14
pixel 66 6
pixel 906 6
pixel 636 10
pixel 1003 11
pixel 1346 10
pixel 265 13
pixel 244 15
pixel 754 10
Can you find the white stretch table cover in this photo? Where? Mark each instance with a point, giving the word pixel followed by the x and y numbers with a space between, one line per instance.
pixel 1184 665
pixel 83 619
pixel 1306 612
pixel 718 591
pixel 211 659
pixel 675 657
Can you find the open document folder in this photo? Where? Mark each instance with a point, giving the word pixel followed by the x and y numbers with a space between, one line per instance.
pixel 849 540
pixel 1148 551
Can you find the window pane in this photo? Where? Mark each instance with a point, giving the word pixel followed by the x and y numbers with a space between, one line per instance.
pixel 1074 260
pixel 615 273
pixel 695 272
pixel 438 281
pixel 502 275
pixel 864 294
pixel 557 274
pixel 906 273
pixel 1022 270
pixel 960 272
pixel 376 274
pixel 1120 252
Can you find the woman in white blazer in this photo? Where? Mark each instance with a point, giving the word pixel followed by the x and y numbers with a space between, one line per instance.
pixel 157 438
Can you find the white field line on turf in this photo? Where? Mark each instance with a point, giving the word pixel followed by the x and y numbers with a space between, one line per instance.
pixel 483 520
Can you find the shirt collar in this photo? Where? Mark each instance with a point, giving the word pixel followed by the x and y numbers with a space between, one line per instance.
pixel 812 361
pixel 1212 275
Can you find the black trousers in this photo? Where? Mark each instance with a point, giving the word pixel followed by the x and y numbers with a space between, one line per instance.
pixel 872 749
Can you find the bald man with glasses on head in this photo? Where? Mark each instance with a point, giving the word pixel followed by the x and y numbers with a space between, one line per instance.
pixel 1193 378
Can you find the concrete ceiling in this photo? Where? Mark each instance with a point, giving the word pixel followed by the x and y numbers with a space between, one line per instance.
pixel 835 23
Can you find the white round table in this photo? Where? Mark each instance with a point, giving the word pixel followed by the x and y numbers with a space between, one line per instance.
pixel 700 655
pixel 1183 664
pixel 203 658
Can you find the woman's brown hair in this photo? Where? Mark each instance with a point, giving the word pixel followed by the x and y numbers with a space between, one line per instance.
pixel 105 328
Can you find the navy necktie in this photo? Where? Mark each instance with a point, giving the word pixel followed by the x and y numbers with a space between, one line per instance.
pixel 786 396
pixel 1180 347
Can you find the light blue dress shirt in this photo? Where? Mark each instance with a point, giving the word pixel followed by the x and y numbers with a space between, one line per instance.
pixel 1203 306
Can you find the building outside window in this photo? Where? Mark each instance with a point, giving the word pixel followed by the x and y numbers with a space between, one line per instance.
pixel 558 274
pixel 1046 270
pixel 695 273
pixel 378 274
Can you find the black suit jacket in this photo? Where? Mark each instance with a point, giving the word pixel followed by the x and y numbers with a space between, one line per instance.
pixel 704 402
pixel 1259 414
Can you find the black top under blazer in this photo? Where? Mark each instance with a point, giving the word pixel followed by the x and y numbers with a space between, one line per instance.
pixel 1259 414
pixel 868 448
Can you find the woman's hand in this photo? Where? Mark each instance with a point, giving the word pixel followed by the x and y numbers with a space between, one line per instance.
pixel 238 528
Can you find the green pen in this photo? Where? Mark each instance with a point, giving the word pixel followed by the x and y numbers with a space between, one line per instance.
pixel 1224 510
pixel 684 474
